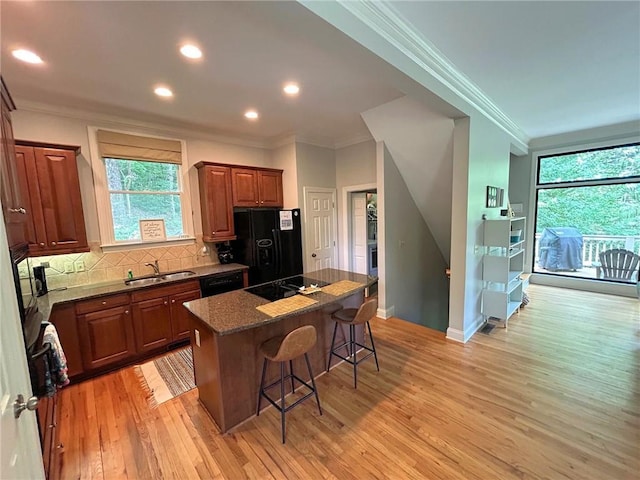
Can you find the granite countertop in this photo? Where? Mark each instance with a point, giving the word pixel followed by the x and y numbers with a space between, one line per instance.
pixel 84 292
pixel 236 311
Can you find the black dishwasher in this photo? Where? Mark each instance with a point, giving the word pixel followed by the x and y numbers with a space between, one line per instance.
pixel 220 283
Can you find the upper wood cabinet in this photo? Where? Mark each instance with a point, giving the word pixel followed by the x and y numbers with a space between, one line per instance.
pixel 55 216
pixel 256 187
pixel 14 200
pixel 216 202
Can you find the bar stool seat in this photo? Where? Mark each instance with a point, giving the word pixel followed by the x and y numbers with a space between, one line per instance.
pixel 354 317
pixel 284 349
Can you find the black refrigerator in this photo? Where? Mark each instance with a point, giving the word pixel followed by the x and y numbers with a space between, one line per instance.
pixel 269 241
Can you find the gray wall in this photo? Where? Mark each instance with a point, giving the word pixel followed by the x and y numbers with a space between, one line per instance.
pixel 416 284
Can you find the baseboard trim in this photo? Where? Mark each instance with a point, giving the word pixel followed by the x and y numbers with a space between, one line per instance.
pixel 463 337
pixel 386 312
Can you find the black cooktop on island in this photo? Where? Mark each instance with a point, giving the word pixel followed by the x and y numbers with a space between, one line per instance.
pixel 287 287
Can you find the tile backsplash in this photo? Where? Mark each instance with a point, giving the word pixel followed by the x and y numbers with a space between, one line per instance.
pixel 97 267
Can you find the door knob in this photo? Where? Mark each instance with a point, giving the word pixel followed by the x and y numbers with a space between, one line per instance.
pixel 20 405
pixel 313 255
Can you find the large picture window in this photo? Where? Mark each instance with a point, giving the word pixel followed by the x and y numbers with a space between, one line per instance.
pixel 141 190
pixel 588 214
pixel 139 178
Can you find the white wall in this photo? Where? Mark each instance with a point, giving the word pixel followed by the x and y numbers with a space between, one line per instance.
pixel 481 157
pixel 316 167
pixel 420 141
pixel 284 158
pixel 46 127
pixel 416 284
pixel 355 166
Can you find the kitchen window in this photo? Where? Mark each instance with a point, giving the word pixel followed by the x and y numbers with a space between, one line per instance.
pixel 139 178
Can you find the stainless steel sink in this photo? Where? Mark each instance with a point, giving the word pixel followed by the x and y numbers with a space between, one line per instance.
pixel 177 275
pixel 140 282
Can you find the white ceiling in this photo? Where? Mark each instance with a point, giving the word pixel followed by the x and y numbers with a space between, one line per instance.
pixel 552 67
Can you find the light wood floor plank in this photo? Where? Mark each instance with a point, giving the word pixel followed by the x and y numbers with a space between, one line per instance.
pixel 554 396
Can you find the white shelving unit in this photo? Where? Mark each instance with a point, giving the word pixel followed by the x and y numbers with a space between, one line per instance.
pixel 502 266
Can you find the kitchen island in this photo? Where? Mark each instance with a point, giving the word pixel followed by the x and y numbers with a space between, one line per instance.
pixel 227 331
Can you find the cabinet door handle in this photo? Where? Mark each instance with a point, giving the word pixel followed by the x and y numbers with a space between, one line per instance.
pixel 262 201
pixel 53 243
pixel 18 210
pixel 173 301
pixel 104 302
pixel 42 244
pixel 256 201
pixel 213 233
pixel 126 312
pixel 166 303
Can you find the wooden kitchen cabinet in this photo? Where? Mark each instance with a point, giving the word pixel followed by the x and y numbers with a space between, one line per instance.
pixel 64 318
pixel 216 202
pixel 13 198
pixel 158 316
pixel 56 219
pixel 105 331
pixel 47 414
pixel 180 319
pixel 256 187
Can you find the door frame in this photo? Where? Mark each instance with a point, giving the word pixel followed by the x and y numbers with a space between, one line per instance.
pixel 345 231
pixel 306 191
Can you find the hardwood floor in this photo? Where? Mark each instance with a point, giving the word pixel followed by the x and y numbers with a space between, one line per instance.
pixel 556 396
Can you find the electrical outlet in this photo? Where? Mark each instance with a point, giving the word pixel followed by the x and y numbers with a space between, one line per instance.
pixel 68 267
pixel 197 337
pixel 45 264
pixel 79 266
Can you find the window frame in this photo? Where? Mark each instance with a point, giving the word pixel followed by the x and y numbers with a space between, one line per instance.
pixel 103 201
pixel 559 279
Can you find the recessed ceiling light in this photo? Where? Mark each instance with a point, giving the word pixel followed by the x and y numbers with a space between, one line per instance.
pixel 291 89
pixel 191 51
pixel 251 114
pixel 27 56
pixel 163 92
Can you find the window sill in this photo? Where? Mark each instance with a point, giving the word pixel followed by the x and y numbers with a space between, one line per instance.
pixel 121 246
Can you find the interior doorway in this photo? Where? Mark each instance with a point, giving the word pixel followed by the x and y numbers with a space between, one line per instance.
pixel 362 228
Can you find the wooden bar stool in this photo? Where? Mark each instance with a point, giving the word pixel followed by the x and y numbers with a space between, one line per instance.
pixel 354 317
pixel 285 349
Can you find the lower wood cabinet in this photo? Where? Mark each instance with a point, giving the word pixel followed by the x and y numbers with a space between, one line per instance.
pixel 180 319
pixel 64 318
pixel 47 414
pixel 106 337
pixel 107 332
pixel 159 317
pixel 152 324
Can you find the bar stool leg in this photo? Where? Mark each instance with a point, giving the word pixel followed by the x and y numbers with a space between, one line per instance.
pixel 373 346
pixel 282 409
pixel 264 371
pixel 313 382
pixel 293 387
pixel 333 341
pixel 352 339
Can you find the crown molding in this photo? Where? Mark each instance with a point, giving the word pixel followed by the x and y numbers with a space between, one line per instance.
pixel 117 121
pixel 366 137
pixel 382 18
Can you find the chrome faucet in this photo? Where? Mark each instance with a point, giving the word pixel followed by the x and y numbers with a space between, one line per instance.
pixel 154 265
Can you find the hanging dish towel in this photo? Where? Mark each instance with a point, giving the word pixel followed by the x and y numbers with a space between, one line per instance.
pixel 56 372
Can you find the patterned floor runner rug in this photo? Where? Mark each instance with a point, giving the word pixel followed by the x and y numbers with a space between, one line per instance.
pixel 168 376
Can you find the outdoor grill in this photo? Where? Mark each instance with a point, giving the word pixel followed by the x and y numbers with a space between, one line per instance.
pixel 560 249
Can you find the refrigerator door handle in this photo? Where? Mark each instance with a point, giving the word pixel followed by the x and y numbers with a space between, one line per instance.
pixel 277 250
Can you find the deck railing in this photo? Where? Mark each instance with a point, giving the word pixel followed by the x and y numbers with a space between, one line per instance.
pixel 592 245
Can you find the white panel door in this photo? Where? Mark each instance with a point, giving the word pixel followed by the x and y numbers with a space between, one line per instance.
pixel 20 454
pixel 320 230
pixel 359 233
